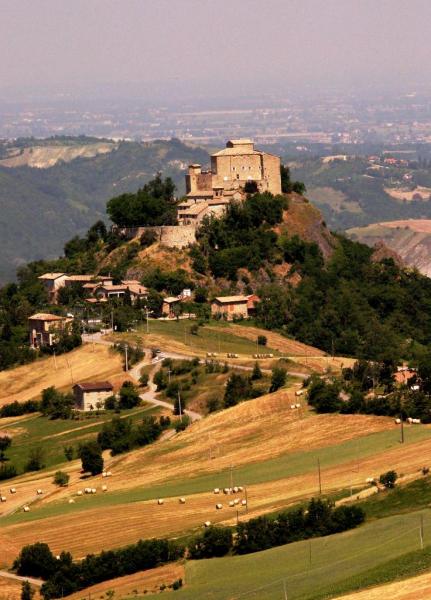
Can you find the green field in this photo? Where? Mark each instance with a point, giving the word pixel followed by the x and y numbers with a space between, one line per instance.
pixel 221 341
pixel 335 562
pixel 286 465
pixel 53 435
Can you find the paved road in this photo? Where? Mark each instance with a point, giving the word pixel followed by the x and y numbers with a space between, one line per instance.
pixel 31 580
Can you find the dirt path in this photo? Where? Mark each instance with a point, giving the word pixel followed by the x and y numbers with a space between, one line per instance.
pixel 31 580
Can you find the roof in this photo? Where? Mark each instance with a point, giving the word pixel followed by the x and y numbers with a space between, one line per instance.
pixel 45 317
pixel 81 277
pixel 195 209
pixel 51 275
pixel 137 289
pixel 130 282
pixel 96 386
pixel 230 299
pixel 235 151
pixel 171 299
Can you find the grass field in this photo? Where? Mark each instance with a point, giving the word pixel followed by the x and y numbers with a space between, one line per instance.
pixel 52 435
pixel 334 560
pixel 11 590
pixel 82 364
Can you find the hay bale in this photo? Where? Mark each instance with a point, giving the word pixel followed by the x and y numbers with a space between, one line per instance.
pixel 244 502
pixel 2 498
pixel 104 488
pixel 231 503
pixel 71 501
pixel 79 493
pixel 207 523
pixel 108 474
pixel 219 506
pixel 160 501
pixel 12 490
pixel 182 500
pixel 236 501
pixel 26 509
pixel 240 488
pixel 93 490
pixel 235 490
pixel 39 492
pixel 216 490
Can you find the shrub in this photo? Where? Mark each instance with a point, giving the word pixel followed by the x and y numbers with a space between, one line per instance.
pixel 61 478
pixel 5 443
pixel 69 452
pixel 214 541
pixel 7 471
pixel 91 458
pixel 262 340
pixel 278 379
pixel 388 479
pixel 144 378
pixel 35 459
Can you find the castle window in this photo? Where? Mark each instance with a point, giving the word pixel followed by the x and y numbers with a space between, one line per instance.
pixel 233 168
pixel 237 175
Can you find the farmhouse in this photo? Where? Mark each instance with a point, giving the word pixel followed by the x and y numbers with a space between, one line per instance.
pixel 168 305
pixel 106 292
pixel 92 396
pixel 230 307
pixel 44 328
pixel 52 282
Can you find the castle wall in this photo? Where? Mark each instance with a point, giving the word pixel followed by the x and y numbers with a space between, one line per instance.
pixel 173 236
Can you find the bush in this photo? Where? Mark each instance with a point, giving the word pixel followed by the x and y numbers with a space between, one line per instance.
pixel 5 443
pixel 278 379
pixel 214 541
pixel 7 471
pixel 36 560
pixel 69 452
pixel 35 459
pixel 144 378
pixel 262 340
pixel 61 478
pixel 91 458
pixel 388 479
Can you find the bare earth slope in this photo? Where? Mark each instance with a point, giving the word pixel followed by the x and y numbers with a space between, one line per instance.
pixel 410 239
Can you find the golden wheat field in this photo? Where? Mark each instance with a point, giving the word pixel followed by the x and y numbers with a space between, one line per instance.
pixel 90 361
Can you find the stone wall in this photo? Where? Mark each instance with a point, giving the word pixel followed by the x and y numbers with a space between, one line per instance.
pixel 173 236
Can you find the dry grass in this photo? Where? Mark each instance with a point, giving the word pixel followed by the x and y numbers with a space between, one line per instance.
pixel 415 588
pixel 275 341
pixel 401 194
pixel 149 581
pixel 83 364
pixel 11 590
pixel 418 225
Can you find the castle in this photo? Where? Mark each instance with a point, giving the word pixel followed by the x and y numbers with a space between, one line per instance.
pixel 208 192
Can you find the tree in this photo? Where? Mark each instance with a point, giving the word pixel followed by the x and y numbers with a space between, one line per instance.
pixel 144 378
pixel 129 396
pixel 5 443
pixel 238 388
pixel 214 541
pixel 35 459
pixel 61 478
pixel 91 458
pixel 278 379
pixel 262 340
pixel 388 479
pixel 68 452
pixel 27 592
pixel 256 373
pixel 36 560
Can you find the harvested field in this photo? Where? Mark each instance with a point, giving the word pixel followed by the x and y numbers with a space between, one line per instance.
pixel 87 362
pixel 415 588
pixel 11 589
pixel 418 225
pixel 400 194
pixel 138 583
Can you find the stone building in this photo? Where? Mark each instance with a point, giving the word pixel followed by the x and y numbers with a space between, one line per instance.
pixel 230 307
pixel 45 328
pixel 208 192
pixel 92 396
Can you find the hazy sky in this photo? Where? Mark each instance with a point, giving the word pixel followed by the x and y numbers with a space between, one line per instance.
pixel 211 44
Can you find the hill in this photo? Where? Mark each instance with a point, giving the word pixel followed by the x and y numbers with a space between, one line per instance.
pixel 354 191
pixel 410 239
pixel 43 207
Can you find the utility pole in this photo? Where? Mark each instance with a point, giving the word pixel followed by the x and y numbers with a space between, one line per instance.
pixel 421 532
pixel 179 405
pixel 320 476
pixel 126 347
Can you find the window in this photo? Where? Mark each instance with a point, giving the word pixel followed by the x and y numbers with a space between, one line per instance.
pixel 233 168
pixel 237 175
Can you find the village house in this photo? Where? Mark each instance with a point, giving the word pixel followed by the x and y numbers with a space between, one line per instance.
pixel 105 292
pixel 44 328
pixel 92 396
pixel 53 282
pixel 168 305
pixel 230 307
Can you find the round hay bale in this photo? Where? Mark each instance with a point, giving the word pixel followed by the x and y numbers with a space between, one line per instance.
pixel 93 490
pixel 104 474
pixel 104 488
pixel 182 500
pixel 108 474
pixel 219 506
pixel 240 488
pixel 79 493
pixel 207 523
pixel 231 503
pixel 39 492
pixel 12 490
pixel 235 490
pixel 244 502
pixel 160 501
pixel 2 498
pixel 226 491
pixel 216 490
pixel 26 509
pixel 236 501
pixel 71 501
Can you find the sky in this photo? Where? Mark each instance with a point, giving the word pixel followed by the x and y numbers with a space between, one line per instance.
pixel 211 46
